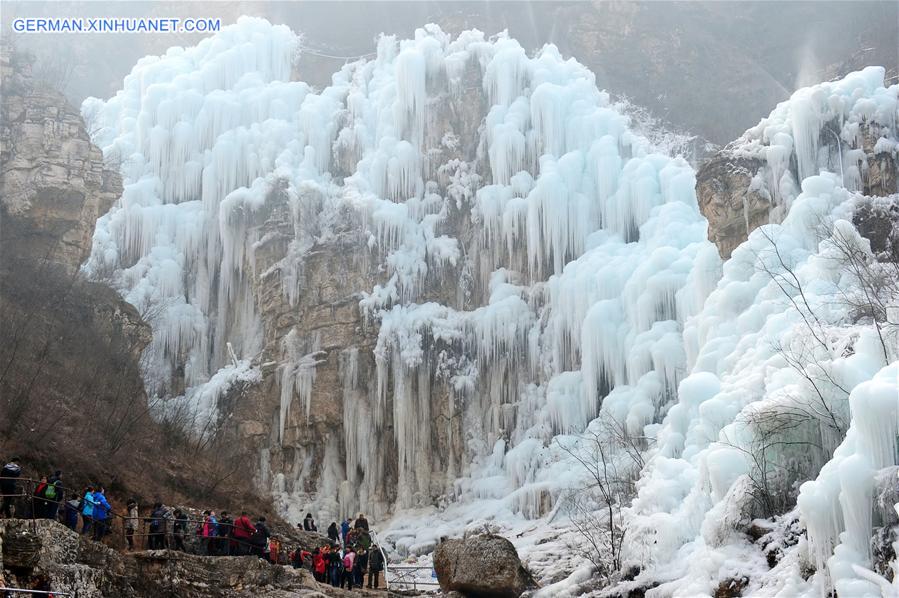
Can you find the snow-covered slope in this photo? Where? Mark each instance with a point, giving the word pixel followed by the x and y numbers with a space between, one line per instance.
pixel 585 290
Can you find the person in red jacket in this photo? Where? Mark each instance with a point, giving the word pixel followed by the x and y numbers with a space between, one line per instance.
pixel 243 532
pixel 318 565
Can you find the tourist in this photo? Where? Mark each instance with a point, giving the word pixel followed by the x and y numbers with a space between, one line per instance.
pixel 309 523
pixel 351 538
pixel 71 509
pixel 349 560
pixel 208 531
pixel 363 539
pixel 260 537
pixel 38 503
pixel 360 567
pixel 274 550
pixel 8 487
pixel 227 545
pixel 375 566
pixel 335 568
pixel 54 494
pixel 179 528
pixel 361 522
pixel 87 510
pixel 344 529
pixel 333 532
pixel 156 535
pixel 131 522
pixel 296 558
pixel 318 565
pixel 168 518
pixel 100 513
pixel 243 533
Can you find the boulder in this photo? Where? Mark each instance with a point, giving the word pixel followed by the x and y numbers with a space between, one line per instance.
pixel 484 565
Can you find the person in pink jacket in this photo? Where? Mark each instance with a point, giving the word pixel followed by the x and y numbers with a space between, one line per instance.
pixel 348 560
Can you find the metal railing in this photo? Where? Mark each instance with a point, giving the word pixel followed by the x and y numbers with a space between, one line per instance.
pixel 24 591
pixel 404 575
pixel 222 544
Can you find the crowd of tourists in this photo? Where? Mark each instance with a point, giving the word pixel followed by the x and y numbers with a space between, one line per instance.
pixel 345 560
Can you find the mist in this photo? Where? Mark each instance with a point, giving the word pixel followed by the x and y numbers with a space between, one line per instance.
pixel 711 69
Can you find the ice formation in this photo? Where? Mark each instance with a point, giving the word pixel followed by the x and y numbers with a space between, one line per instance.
pixel 587 290
pixel 822 128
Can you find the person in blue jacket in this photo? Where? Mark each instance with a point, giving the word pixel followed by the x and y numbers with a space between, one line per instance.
pixel 71 512
pixel 87 510
pixel 344 529
pixel 101 513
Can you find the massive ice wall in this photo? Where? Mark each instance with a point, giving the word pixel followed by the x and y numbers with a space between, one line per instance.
pixel 581 255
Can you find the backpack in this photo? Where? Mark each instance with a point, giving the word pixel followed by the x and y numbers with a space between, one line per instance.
pixel 50 491
pixel 258 537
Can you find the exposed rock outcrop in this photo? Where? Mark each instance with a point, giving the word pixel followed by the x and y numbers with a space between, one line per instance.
pixel 877 219
pixel 45 555
pixel 54 181
pixel 484 565
pixel 726 200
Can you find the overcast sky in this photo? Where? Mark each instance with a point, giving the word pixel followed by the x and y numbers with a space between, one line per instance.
pixel 710 67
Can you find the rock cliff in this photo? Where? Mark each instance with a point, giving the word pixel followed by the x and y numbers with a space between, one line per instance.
pixel 55 183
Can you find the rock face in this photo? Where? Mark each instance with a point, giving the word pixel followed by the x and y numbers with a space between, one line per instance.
pixel 54 180
pixel 727 202
pixel 482 565
pixel 45 555
pixel 877 219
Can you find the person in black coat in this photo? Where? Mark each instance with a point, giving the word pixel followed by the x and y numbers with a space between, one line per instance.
pixel 8 486
pixel 361 522
pixel 156 536
pixel 360 567
pixel 333 532
pixel 375 566
pixel 309 523
pixel 260 537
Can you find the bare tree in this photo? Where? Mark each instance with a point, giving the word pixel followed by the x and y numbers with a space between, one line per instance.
pixel 786 446
pixel 612 458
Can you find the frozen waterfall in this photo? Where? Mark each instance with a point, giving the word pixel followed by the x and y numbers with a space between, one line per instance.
pixel 581 283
